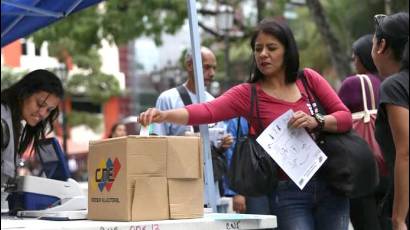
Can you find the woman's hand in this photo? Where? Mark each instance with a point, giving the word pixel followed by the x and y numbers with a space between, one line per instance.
pixel 399 225
pixel 227 141
pixel 151 115
pixel 302 120
pixel 239 203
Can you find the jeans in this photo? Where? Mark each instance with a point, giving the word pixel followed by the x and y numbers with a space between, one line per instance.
pixel 315 207
pixel 259 205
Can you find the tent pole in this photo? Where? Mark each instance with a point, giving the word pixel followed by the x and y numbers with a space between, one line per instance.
pixel 210 188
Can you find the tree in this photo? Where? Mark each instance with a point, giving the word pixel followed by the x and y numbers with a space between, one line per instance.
pixel 9 76
pixel 97 87
pixel 118 21
pixel 260 5
pixel 339 59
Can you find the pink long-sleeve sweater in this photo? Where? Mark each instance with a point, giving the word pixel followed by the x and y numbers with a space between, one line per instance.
pixel 236 102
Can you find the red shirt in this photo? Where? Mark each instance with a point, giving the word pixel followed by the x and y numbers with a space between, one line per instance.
pixel 236 102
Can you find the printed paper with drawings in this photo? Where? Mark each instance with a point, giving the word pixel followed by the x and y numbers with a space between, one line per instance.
pixel 292 149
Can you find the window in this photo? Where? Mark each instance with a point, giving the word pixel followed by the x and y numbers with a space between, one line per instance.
pixel 24 48
pixel 37 51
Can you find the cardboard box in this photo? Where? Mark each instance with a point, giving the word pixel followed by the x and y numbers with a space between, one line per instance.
pixel 150 201
pixel 185 177
pixel 183 160
pixel 186 198
pixel 114 165
pixel 128 178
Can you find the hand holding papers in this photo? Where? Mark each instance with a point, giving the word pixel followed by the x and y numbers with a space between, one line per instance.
pixel 292 149
pixel 216 134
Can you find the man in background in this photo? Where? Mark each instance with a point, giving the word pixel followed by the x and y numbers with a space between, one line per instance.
pixel 185 94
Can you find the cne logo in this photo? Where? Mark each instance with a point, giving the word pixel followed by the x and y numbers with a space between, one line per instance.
pixel 106 173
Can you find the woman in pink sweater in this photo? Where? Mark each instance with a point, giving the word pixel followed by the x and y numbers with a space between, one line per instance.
pixel 276 78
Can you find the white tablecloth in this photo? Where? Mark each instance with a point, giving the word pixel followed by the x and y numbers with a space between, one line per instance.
pixel 211 221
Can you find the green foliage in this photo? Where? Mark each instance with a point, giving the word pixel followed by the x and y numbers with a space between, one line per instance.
pixel 89 60
pixel 96 86
pixel 10 76
pixel 116 20
pixel 400 5
pixel 312 51
pixel 75 118
pixel 348 19
pixel 123 20
pixel 75 34
pixel 351 19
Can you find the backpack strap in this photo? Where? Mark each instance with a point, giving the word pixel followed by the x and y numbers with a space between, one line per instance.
pixel 186 99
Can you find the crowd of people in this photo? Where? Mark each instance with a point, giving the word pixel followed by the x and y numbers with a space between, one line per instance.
pixel 277 77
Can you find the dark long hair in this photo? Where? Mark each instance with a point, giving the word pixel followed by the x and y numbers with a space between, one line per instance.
pixel 405 59
pixel 281 31
pixel 395 30
pixel 14 96
pixel 362 48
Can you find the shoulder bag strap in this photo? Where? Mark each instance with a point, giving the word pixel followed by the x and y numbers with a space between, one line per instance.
pixel 238 127
pixel 254 95
pixel 363 89
pixel 365 115
pixel 186 99
pixel 254 101
pixel 314 102
pixel 371 91
pixel 307 90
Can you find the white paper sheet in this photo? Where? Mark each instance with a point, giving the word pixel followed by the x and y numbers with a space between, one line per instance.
pixel 292 149
pixel 145 130
pixel 216 135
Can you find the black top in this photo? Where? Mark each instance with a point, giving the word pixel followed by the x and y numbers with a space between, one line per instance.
pixel 394 90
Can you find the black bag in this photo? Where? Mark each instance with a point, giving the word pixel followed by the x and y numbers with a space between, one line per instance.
pixel 252 172
pixel 219 161
pixel 5 135
pixel 350 168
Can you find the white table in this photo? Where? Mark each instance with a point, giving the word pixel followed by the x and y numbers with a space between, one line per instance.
pixel 211 221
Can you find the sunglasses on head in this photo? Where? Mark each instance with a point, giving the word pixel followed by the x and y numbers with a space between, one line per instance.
pixel 378 19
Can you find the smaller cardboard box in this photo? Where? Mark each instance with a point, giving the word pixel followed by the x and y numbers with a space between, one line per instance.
pixel 184 157
pixel 186 198
pixel 150 200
